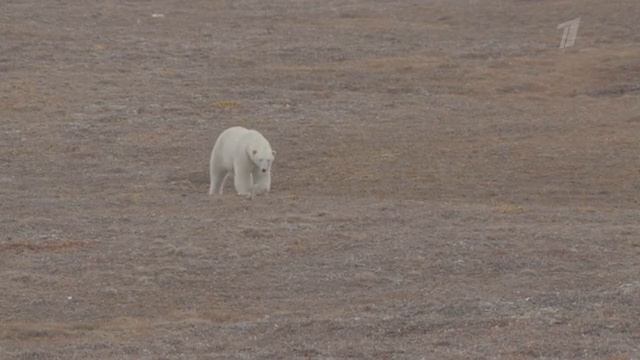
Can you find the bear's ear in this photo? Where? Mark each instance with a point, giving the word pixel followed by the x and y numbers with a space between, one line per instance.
pixel 254 151
pixel 273 152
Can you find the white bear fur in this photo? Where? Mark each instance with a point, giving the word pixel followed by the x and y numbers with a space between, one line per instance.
pixel 248 155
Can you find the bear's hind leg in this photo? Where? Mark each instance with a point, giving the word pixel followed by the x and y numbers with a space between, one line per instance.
pixel 220 184
pixel 217 181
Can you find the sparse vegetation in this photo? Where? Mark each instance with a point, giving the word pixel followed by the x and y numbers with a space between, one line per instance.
pixel 449 184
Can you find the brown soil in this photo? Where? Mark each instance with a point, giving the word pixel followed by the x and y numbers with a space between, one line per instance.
pixel 449 183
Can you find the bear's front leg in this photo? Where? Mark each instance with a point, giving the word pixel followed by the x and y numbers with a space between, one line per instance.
pixel 261 181
pixel 242 179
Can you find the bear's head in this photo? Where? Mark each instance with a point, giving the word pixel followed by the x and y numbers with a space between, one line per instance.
pixel 262 157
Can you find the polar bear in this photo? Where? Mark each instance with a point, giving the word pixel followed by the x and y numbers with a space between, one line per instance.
pixel 248 155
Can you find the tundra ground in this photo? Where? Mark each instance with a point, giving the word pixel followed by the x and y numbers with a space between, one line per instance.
pixel 449 183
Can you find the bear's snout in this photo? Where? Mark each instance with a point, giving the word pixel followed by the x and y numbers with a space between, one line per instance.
pixel 264 170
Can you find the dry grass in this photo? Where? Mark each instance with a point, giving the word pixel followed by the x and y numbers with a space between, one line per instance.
pixel 19 247
pixel 448 183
